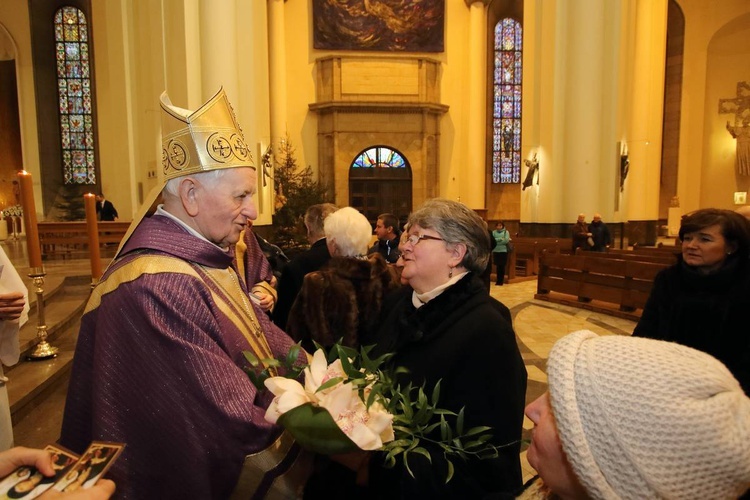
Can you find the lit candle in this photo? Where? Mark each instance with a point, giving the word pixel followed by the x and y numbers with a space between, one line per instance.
pixel 33 246
pixel 93 231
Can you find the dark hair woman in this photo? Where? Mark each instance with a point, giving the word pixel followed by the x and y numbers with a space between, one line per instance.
pixel 704 300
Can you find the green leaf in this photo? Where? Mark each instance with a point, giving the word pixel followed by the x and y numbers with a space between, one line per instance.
pixel 406 463
pixel 393 453
pixel 314 429
pixel 399 442
pixel 293 354
pixel 436 393
pixel 440 411
pixel 477 430
pixel 423 452
pixel 451 470
pixel 251 358
pixel 445 430
pixel 460 422
pixel 329 383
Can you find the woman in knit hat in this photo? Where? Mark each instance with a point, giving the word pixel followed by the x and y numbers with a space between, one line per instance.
pixel 639 418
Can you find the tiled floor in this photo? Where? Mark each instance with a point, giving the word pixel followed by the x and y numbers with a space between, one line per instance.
pixel 538 325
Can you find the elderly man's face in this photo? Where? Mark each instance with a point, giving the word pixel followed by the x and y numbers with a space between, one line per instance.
pixel 225 206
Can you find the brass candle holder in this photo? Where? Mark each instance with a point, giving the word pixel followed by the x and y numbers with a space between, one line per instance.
pixel 43 349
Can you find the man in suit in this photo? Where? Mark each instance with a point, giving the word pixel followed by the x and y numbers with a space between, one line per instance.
pixel 105 209
pixel 313 259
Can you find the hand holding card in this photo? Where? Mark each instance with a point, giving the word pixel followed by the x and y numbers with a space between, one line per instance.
pixel 34 472
pixel 90 467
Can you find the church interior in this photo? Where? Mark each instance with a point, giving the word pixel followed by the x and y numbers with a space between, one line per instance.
pixel 527 111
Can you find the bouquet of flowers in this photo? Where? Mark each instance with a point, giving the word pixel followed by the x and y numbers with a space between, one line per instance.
pixel 349 402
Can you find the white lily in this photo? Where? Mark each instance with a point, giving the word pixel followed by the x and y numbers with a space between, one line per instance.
pixel 319 372
pixel 368 429
pixel 288 394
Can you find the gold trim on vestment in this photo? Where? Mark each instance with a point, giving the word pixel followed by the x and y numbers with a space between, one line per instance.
pixel 228 302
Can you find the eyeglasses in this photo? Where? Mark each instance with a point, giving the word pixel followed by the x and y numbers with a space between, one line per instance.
pixel 416 238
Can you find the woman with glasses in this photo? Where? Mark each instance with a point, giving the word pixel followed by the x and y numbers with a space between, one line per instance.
pixel 445 328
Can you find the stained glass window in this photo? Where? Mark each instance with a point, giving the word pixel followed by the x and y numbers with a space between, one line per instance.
pixel 506 112
pixel 379 157
pixel 74 96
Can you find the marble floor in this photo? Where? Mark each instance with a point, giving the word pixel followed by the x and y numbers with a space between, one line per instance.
pixel 538 325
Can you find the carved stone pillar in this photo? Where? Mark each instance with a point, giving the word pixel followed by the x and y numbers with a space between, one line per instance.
pixel 473 181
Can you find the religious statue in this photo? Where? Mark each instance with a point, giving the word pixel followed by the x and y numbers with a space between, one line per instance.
pixel 742 134
pixel 624 168
pixel 533 170
pixel 740 106
pixel 266 163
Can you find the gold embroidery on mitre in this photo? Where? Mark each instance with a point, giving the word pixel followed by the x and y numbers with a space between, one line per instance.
pixel 206 139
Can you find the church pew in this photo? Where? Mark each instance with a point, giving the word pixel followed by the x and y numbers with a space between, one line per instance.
pixel 658 250
pixel 66 239
pixel 666 258
pixel 527 252
pixel 595 282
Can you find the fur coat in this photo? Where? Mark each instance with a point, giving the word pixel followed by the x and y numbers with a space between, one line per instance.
pixel 341 301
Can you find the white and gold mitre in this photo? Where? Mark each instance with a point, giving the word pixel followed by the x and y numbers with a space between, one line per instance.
pixel 208 138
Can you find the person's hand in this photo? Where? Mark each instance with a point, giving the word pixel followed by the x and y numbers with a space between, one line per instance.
pixel 14 458
pixel 103 489
pixel 19 456
pixel 11 305
pixel 265 300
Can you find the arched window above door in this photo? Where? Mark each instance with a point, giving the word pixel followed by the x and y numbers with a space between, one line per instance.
pixel 380 161
pixel 380 182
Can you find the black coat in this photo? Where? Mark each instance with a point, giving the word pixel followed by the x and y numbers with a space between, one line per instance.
pixel 106 211
pixel 290 282
pixel 710 313
pixel 464 339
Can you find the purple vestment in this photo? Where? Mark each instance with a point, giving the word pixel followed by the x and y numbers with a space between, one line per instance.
pixel 158 367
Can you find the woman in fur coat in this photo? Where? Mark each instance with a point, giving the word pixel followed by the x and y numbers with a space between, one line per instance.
pixel 342 301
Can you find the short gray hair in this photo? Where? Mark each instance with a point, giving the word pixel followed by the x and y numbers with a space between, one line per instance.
pixel 349 230
pixel 456 223
pixel 210 177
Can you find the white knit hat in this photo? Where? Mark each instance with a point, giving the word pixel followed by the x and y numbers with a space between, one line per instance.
pixel 642 418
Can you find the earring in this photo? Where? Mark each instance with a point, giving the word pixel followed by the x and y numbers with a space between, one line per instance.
pixel 450 273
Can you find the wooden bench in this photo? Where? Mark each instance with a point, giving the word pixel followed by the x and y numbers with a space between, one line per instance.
pixel 658 250
pixel 526 253
pixel 70 239
pixel 597 283
pixel 660 258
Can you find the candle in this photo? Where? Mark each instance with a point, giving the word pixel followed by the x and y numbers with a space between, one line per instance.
pixel 93 231
pixel 29 218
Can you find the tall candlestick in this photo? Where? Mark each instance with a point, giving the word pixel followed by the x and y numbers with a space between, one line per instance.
pixel 93 232
pixel 29 219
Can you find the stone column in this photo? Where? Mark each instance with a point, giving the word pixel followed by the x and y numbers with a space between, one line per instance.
pixel 576 91
pixel 646 112
pixel 277 69
pixel 218 45
pixel 473 179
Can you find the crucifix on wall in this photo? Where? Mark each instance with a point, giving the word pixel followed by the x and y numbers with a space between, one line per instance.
pixel 740 106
